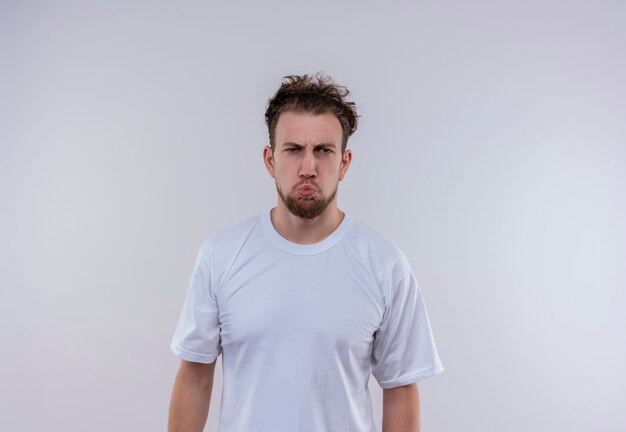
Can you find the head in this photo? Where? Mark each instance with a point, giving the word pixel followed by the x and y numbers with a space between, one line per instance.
pixel 309 122
pixel 315 95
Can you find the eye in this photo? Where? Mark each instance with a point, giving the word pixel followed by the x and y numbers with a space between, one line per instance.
pixel 325 150
pixel 291 148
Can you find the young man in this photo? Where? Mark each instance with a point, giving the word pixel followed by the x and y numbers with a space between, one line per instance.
pixel 303 301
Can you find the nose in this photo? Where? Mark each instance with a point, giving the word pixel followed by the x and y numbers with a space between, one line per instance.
pixel 307 169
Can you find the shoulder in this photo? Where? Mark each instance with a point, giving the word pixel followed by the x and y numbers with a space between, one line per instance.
pixel 229 239
pixel 382 253
pixel 218 251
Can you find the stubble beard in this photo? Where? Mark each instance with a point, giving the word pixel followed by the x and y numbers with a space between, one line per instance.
pixel 306 207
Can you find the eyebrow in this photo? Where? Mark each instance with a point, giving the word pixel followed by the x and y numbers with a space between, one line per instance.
pixel 292 144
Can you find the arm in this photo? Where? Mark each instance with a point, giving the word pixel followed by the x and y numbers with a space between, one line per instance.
pixel 191 397
pixel 401 409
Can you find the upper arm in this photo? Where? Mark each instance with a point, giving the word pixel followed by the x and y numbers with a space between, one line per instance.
pixel 401 408
pixel 200 374
pixel 197 337
pixel 408 392
pixel 404 349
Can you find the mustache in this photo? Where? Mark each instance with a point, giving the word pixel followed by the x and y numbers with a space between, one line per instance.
pixel 312 184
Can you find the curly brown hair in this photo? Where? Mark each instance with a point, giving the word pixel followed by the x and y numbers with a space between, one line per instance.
pixel 315 94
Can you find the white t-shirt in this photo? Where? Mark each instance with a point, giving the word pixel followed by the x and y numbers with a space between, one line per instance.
pixel 301 327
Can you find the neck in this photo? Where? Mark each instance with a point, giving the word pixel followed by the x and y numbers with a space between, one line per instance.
pixel 305 231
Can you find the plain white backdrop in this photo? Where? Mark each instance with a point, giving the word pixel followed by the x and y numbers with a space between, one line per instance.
pixel 491 149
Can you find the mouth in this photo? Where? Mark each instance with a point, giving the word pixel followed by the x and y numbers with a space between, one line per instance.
pixel 306 191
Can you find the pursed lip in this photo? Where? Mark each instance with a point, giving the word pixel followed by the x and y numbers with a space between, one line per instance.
pixel 306 191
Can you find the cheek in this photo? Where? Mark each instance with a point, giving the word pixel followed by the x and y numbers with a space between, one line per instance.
pixel 284 173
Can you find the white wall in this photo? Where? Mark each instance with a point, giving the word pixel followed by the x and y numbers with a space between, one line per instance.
pixel 491 149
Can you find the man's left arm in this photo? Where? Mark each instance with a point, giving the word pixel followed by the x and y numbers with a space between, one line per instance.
pixel 401 409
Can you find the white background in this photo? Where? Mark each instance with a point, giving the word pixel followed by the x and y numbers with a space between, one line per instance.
pixel 491 149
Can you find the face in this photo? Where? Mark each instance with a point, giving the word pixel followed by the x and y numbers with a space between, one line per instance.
pixel 307 155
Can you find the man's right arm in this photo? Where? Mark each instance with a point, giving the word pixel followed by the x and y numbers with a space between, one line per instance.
pixel 191 397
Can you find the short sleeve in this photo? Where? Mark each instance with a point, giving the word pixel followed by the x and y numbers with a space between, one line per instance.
pixel 197 334
pixel 404 349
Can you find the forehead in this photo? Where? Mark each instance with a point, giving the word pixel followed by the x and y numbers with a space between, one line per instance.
pixel 305 128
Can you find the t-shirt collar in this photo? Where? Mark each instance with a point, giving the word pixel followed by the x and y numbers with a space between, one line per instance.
pixel 305 249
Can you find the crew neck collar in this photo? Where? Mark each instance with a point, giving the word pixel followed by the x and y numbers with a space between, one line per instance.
pixel 305 249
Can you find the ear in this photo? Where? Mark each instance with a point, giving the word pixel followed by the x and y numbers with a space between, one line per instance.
pixel 268 160
pixel 345 163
